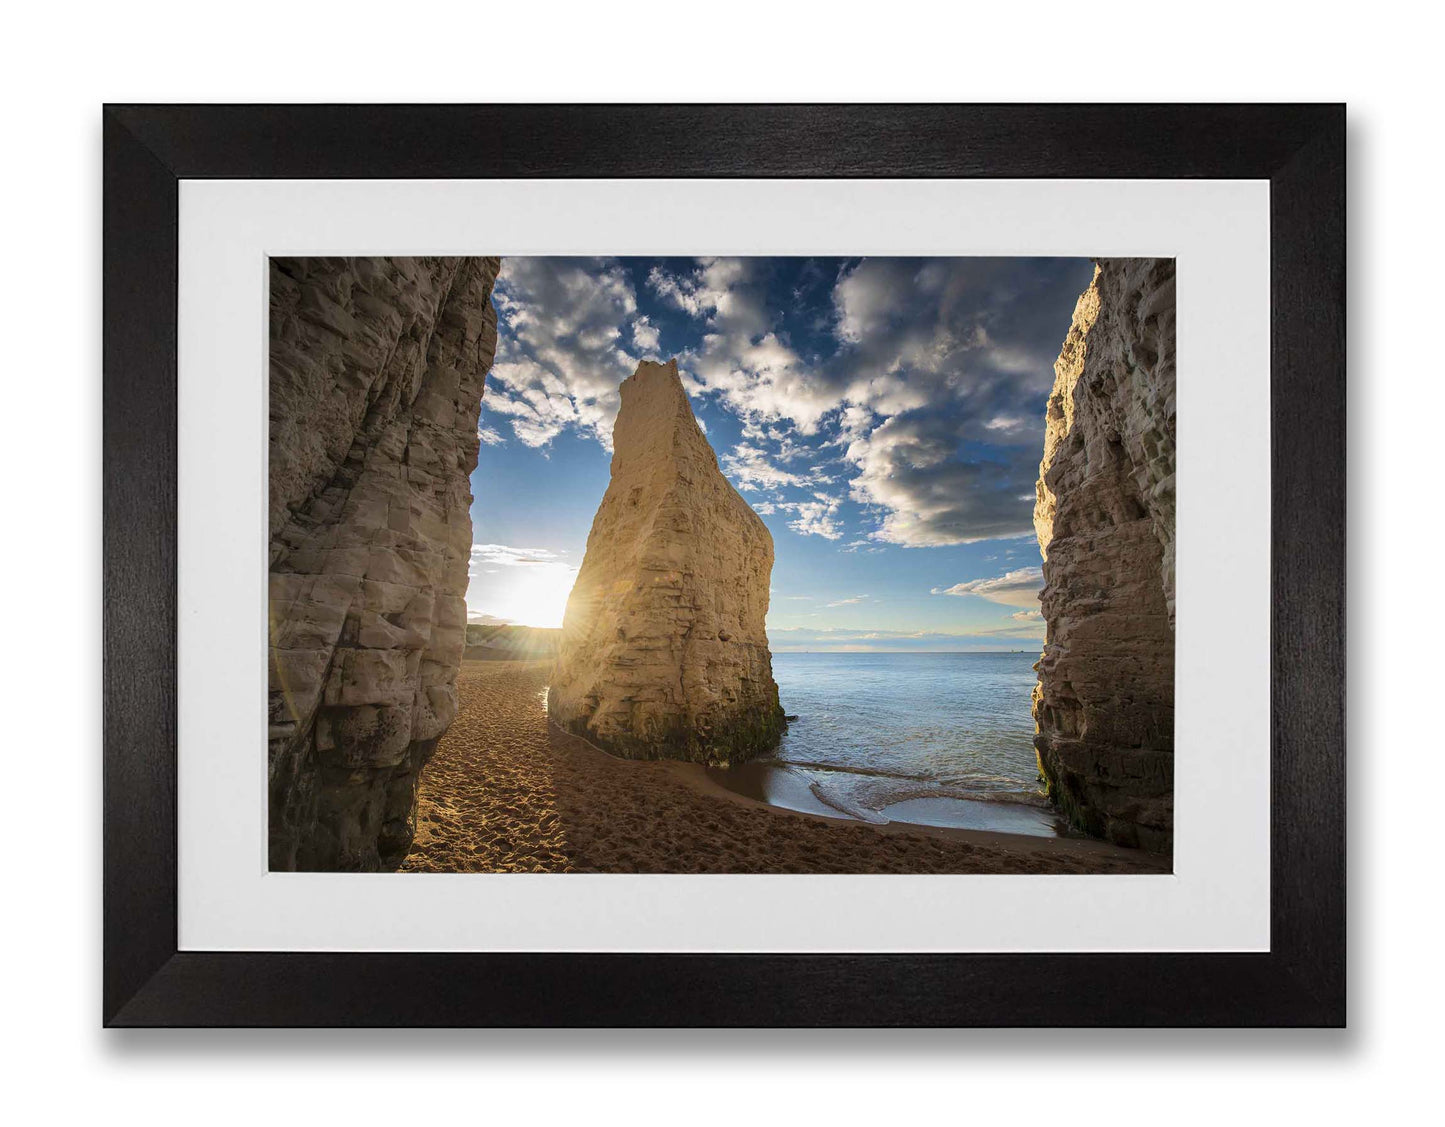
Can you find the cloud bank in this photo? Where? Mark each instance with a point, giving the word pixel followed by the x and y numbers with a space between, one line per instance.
pixel 560 356
pixel 796 639
pixel 884 400
pixel 1018 588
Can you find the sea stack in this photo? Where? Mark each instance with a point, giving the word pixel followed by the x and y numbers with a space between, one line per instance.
pixel 1104 703
pixel 664 653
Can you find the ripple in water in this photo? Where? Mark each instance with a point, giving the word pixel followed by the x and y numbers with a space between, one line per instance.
pixel 932 739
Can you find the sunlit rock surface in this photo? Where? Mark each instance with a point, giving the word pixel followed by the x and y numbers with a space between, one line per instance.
pixel 664 654
pixel 1104 704
pixel 377 373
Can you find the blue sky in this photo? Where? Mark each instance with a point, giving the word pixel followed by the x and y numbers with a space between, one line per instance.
pixel 883 416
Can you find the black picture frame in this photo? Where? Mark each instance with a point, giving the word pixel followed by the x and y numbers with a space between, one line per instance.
pixel 1299 149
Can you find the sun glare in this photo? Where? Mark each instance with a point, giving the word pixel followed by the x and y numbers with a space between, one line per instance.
pixel 533 594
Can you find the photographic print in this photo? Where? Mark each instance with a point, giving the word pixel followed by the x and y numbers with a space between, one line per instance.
pixel 721 565
pixel 821 522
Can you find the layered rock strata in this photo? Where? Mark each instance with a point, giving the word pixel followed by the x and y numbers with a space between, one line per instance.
pixel 377 373
pixel 1104 703
pixel 664 654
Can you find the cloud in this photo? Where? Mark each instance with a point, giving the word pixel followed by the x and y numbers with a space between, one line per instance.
pixel 786 639
pixel 1018 588
pixel 934 383
pixel 1027 615
pixel 688 293
pixel 645 336
pixel 753 468
pixel 912 467
pixel 956 357
pixel 847 602
pixel 559 351
pixel 870 296
pixel 490 436
pixel 817 517
pixel 983 329
pixel 507 556
pixel 920 381
pixel 743 358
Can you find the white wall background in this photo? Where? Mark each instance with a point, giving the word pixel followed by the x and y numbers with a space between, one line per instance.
pixel 66 58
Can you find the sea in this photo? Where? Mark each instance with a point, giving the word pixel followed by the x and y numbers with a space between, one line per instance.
pixel 935 739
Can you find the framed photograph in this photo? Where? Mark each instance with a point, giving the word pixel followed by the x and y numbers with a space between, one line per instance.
pixel 724 565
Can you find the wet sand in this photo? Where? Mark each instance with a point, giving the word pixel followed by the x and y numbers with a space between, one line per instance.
pixel 508 792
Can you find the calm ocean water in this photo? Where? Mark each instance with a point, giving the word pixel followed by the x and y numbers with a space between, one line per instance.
pixel 931 738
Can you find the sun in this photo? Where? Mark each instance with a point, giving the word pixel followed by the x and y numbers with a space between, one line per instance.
pixel 531 594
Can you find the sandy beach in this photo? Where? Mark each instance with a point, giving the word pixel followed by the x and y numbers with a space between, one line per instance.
pixel 507 792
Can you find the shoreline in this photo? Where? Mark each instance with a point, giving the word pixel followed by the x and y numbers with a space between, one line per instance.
pixel 697 778
pixel 1004 838
pixel 508 791
pixel 791 786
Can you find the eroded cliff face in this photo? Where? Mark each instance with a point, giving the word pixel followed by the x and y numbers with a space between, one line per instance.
pixel 377 373
pixel 1104 704
pixel 664 653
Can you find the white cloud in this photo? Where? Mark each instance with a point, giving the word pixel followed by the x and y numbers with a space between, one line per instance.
pixel 1027 615
pixel 930 353
pixel 854 421
pixel 930 377
pixel 870 295
pixel 645 336
pixel 742 358
pixel 490 436
pixel 507 556
pixel 751 469
pixel 683 292
pixel 817 517
pixel 856 599
pixel 559 352
pixel 1018 588
pixel 785 639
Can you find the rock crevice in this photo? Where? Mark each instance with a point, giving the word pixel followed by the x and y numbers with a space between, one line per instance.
pixel 377 368
pixel 664 653
pixel 1104 703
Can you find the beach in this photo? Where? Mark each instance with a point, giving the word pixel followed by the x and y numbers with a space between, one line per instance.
pixel 506 791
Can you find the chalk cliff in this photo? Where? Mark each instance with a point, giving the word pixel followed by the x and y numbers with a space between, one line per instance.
pixel 377 372
pixel 1104 703
pixel 664 654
